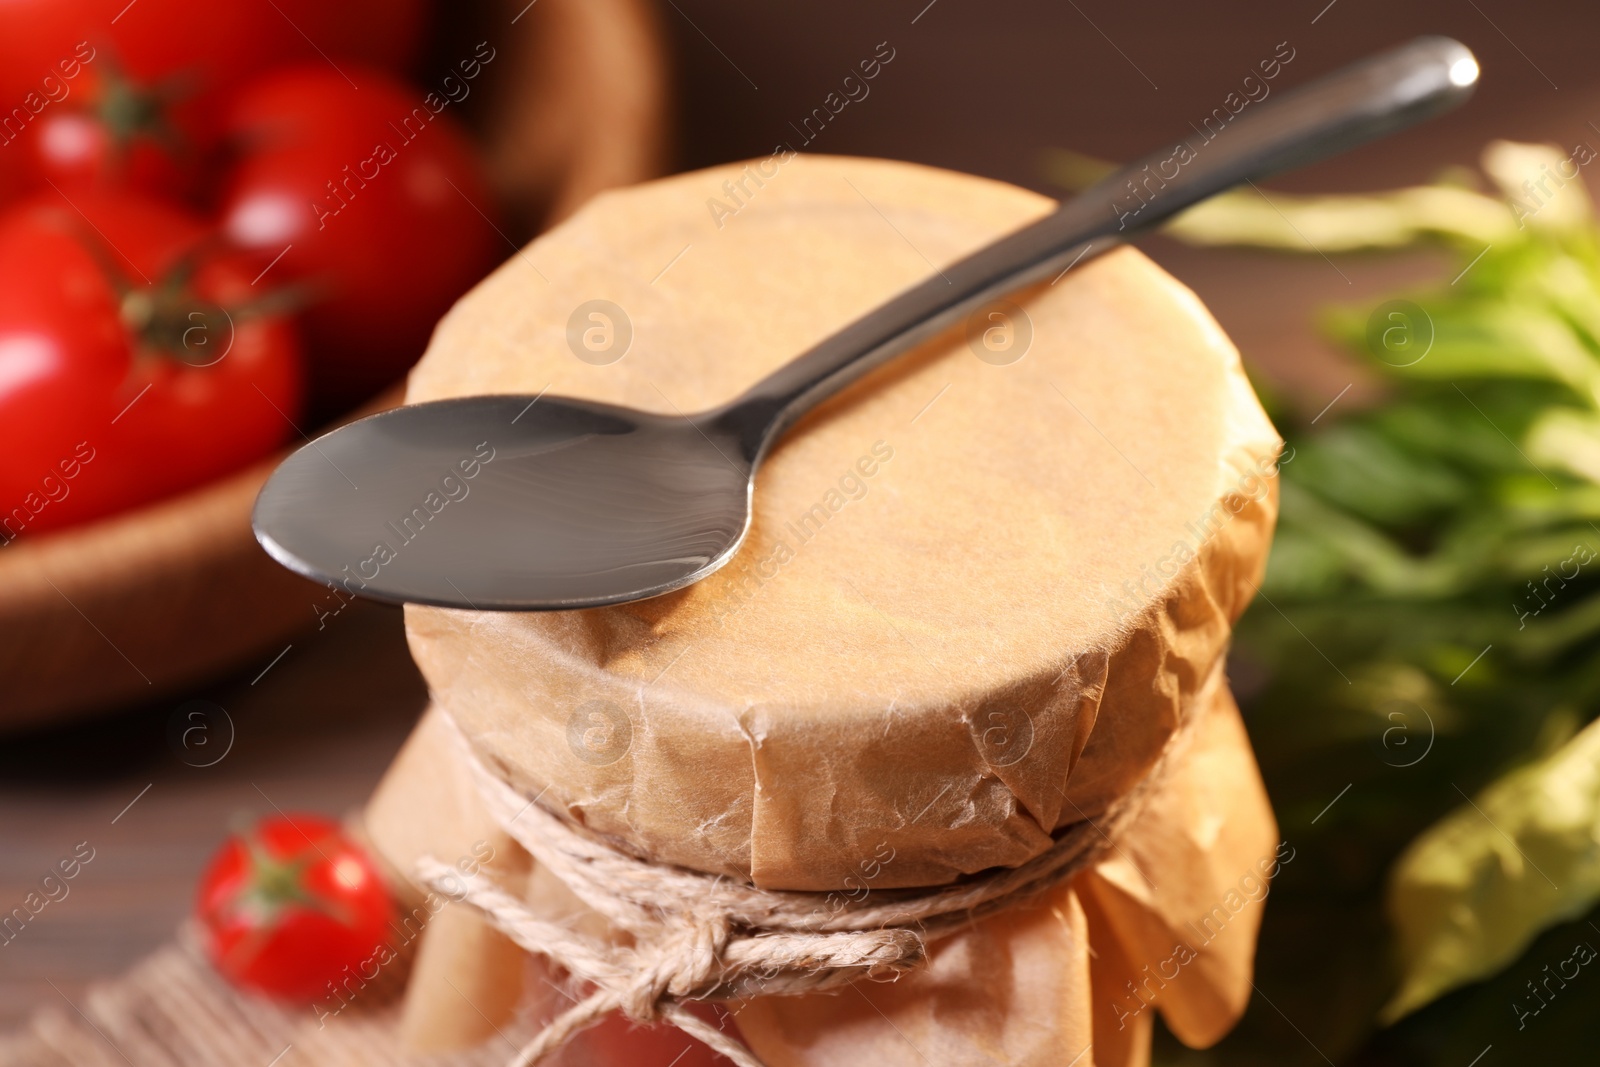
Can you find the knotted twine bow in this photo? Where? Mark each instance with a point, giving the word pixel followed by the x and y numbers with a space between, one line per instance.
pixel 697 936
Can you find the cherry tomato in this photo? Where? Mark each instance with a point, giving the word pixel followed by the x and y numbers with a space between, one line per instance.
pixel 371 195
pixel 136 359
pixel 288 906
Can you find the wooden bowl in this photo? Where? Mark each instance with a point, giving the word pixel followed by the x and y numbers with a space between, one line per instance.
pixel 140 606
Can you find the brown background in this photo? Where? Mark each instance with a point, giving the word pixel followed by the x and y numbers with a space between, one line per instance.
pixel 984 87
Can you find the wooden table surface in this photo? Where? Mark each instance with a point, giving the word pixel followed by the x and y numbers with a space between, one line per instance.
pixel 313 733
pixel 986 88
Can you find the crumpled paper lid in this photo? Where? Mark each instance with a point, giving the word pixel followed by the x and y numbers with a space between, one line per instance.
pixel 980 586
pixel 1166 918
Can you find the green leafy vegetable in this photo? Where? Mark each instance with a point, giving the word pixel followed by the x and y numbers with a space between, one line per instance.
pixel 1430 624
pixel 1474 890
pixel 1332 223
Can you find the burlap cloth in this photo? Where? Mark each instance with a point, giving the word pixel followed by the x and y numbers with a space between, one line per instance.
pixel 983 590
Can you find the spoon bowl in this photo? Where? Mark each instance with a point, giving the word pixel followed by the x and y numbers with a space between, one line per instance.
pixel 456 503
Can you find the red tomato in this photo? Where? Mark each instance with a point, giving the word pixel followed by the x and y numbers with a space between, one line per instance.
pixel 375 197
pixel 133 92
pixel 13 180
pixel 213 46
pixel 136 360
pixel 113 131
pixel 218 45
pixel 286 908
pixel 384 33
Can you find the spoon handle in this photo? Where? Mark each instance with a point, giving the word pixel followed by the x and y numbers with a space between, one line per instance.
pixel 1376 96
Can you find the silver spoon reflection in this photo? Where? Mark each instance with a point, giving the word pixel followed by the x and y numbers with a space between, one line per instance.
pixel 533 503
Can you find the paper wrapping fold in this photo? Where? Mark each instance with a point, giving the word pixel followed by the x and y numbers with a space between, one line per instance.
pixel 977 597
pixel 1165 918
pixel 1037 985
pixel 953 570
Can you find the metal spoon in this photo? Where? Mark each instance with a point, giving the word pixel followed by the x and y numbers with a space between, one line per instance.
pixel 504 503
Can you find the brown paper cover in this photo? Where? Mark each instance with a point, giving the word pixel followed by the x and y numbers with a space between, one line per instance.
pixel 977 592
